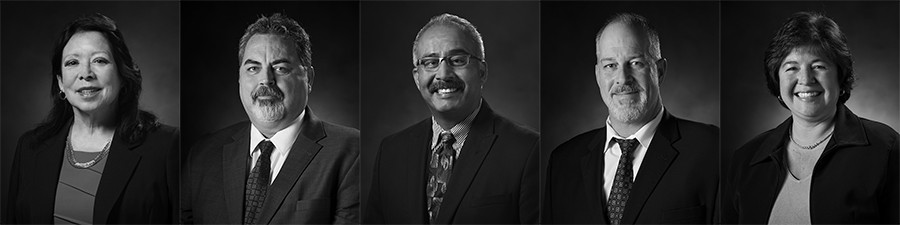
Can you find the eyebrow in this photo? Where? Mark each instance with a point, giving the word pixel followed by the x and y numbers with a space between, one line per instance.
pixel 250 61
pixel 451 52
pixel 277 61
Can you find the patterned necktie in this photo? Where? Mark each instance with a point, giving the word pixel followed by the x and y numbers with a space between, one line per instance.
pixel 440 167
pixel 618 196
pixel 258 182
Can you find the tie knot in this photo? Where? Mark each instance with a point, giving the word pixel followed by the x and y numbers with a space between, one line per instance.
pixel 447 138
pixel 627 145
pixel 265 147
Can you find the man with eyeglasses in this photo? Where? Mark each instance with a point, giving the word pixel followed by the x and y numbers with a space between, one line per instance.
pixel 465 164
pixel 284 166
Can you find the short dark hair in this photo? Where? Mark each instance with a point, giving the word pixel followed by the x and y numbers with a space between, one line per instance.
pixel 458 22
pixel 640 24
pixel 824 36
pixel 279 24
pixel 133 123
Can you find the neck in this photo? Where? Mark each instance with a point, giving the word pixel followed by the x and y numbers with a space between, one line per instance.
pixel 269 129
pixel 628 128
pixel 805 131
pixel 101 122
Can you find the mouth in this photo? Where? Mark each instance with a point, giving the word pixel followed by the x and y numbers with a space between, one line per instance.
pixel 444 91
pixel 88 91
pixel 807 95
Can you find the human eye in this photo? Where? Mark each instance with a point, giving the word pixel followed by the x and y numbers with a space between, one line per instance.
pixel 610 66
pixel 638 64
pixel 430 62
pixel 791 69
pixel 70 62
pixel 100 60
pixel 819 67
pixel 282 70
pixel 459 60
pixel 253 69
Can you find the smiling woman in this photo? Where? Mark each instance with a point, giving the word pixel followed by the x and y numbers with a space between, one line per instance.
pixel 789 175
pixel 97 158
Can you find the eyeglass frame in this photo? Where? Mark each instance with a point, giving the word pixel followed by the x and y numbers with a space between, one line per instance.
pixel 445 58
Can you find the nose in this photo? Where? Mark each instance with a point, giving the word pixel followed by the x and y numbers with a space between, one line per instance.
pixel 806 77
pixel 88 73
pixel 444 71
pixel 267 77
pixel 624 75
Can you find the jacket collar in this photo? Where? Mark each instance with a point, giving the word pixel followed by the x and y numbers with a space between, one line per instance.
pixel 848 131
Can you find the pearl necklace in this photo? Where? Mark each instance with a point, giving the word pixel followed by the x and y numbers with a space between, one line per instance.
pixel 811 146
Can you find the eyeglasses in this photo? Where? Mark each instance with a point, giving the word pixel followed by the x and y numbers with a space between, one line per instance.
pixel 431 64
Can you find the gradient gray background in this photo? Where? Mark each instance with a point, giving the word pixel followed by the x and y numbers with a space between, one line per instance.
pixel 390 100
pixel 748 109
pixel 213 31
pixel 571 102
pixel 29 31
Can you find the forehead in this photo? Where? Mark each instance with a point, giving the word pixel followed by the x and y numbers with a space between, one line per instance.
pixel 443 38
pixel 806 53
pixel 618 38
pixel 86 41
pixel 269 45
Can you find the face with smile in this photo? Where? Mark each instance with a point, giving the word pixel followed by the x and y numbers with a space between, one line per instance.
pixel 273 84
pixel 808 84
pixel 89 79
pixel 448 89
pixel 627 75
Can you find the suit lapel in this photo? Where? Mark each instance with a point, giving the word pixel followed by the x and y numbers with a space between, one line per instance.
pixel 121 163
pixel 591 165
pixel 48 159
pixel 416 159
pixel 234 172
pixel 659 156
pixel 478 144
pixel 303 151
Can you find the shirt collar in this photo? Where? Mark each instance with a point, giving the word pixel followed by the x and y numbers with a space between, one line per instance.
pixel 460 131
pixel 283 139
pixel 643 135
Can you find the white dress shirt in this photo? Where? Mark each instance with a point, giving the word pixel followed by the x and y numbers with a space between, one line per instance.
pixel 283 140
pixel 612 153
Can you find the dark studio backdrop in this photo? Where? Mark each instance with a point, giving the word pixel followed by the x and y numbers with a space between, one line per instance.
pixel 390 100
pixel 748 109
pixel 29 31
pixel 571 101
pixel 211 36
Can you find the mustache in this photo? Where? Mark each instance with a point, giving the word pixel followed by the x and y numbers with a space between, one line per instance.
pixel 626 88
pixel 268 91
pixel 442 84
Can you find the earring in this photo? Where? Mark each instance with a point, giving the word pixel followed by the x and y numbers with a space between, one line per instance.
pixel 62 95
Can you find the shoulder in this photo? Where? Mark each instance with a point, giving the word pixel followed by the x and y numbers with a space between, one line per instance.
pixel 695 130
pixel 29 139
pixel 219 137
pixel 746 151
pixel 505 126
pixel 578 145
pixel 413 130
pixel 879 132
pixel 164 132
pixel 340 131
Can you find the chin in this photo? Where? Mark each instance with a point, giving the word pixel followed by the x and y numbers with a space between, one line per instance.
pixel 269 114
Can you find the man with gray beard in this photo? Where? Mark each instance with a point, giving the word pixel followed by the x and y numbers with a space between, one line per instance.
pixel 284 166
pixel 646 165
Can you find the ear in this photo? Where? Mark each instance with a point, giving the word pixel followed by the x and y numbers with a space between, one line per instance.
pixel 484 72
pixel 310 78
pixel 661 65
pixel 59 82
pixel 597 68
pixel 415 71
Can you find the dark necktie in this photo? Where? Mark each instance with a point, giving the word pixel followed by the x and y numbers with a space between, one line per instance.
pixel 258 182
pixel 440 167
pixel 618 196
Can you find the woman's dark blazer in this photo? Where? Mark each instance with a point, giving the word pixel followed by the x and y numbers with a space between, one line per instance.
pixel 854 181
pixel 139 183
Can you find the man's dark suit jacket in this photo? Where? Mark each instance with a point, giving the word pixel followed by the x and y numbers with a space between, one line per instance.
pixel 495 179
pixel 139 184
pixel 318 183
pixel 856 180
pixel 677 182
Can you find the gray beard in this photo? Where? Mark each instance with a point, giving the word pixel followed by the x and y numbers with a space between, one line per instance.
pixel 270 112
pixel 628 113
